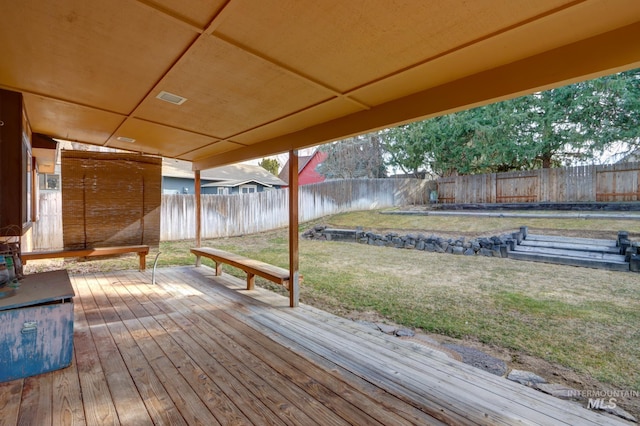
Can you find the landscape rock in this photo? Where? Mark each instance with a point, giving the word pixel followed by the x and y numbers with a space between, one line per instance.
pixel 526 378
pixel 479 359
pixel 405 332
pixel 486 252
pixel 368 324
pixel 386 328
pixel 617 411
pixel 557 390
pixel 485 243
pixel 498 246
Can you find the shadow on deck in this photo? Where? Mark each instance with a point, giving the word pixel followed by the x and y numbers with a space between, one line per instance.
pixel 197 349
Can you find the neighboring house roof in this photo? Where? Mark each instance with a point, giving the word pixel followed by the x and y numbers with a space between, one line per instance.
pixel 303 161
pixel 233 183
pixel 229 176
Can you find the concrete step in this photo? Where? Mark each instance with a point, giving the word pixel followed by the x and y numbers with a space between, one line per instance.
pixel 570 246
pixel 598 255
pixel 570 260
pixel 572 240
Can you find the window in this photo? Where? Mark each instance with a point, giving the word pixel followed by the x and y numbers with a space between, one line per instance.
pixel 248 189
pixel 50 182
pixel 223 191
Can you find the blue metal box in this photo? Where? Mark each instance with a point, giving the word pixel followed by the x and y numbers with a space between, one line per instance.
pixel 36 326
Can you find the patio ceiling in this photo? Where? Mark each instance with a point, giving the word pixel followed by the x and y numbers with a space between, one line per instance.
pixel 262 77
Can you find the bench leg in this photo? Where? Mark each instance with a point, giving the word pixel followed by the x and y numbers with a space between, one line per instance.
pixel 294 290
pixel 143 261
pixel 251 281
pixel 218 269
pixel 198 261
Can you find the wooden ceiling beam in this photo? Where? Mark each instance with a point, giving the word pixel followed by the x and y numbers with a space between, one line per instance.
pixel 188 23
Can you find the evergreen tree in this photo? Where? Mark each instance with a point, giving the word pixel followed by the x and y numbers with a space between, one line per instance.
pixel 559 126
pixel 270 164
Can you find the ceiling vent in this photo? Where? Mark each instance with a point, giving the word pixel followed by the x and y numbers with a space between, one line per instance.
pixel 125 139
pixel 171 98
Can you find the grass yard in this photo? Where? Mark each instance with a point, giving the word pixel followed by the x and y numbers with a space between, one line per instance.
pixel 587 320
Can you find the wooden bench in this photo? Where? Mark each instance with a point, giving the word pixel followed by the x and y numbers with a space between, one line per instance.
pixel 141 250
pixel 250 266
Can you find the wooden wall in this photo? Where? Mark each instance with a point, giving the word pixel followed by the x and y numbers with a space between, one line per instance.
pixel 617 182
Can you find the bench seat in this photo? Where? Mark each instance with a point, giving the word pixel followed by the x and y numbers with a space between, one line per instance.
pixel 250 266
pixel 141 250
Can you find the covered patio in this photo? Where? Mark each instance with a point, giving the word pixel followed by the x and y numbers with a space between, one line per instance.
pixel 226 81
pixel 198 349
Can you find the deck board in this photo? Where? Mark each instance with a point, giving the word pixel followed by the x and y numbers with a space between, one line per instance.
pixel 380 366
pixel 96 399
pixel 438 391
pixel 200 349
pixel 128 403
pixel 67 407
pixel 35 408
pixel 262 356
pixel 168 338
pixel 212 333
pixel 156 399
pixel 10 398
pixel 263 346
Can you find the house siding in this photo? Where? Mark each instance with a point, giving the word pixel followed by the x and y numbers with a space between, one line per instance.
pixel 174 185
pixel 309 174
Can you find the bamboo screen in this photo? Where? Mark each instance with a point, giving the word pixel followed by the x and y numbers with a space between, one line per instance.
pixel 110 199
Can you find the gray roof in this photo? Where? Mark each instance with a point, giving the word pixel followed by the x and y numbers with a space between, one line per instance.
pixel 231 175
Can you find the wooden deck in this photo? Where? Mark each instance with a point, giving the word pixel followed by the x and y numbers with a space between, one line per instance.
pixel 198 349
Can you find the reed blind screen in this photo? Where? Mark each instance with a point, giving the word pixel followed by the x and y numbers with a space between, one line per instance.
pixel 110 199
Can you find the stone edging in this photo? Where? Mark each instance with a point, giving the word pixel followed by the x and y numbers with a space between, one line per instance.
pixel 496 246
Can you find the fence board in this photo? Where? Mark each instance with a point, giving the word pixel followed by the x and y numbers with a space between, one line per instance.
pixel 520 187
pixel 618 182
pixel 239 214
pixel 47 230
pixel 229 215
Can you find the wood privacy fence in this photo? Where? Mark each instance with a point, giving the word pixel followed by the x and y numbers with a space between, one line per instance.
pixel 231 215
pixel 617 182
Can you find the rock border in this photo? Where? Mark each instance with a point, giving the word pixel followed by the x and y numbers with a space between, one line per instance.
pixel 495 246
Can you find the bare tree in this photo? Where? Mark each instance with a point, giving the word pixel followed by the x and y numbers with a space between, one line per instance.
pixel 357 157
